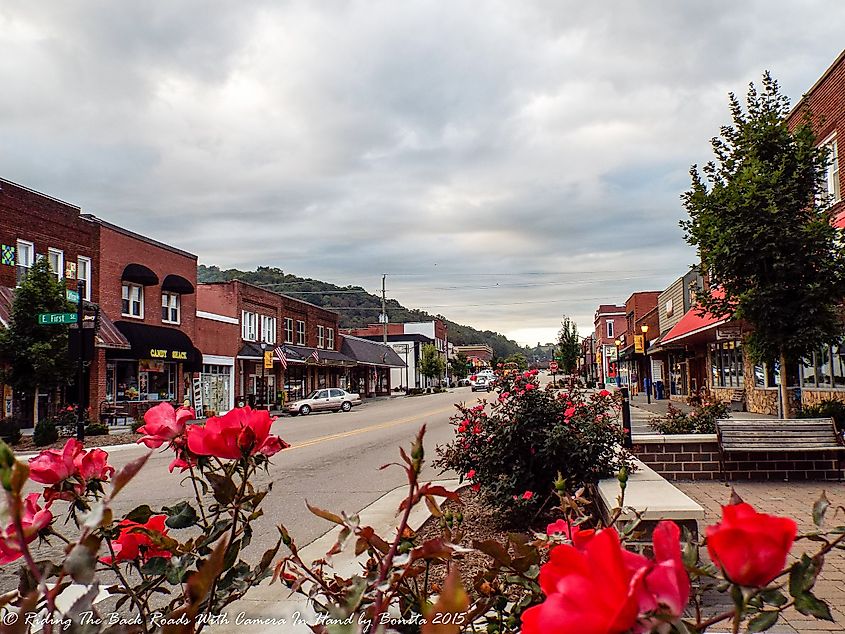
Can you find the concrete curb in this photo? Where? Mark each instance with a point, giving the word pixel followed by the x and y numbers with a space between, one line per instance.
pixel 272 609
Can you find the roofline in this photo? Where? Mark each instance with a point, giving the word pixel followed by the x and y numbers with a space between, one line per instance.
pixel 38 193
pixel 137 236
pixel 818 83
pixel 267 290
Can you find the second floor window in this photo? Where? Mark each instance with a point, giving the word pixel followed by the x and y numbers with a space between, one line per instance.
pixel 288 330
pixel 330 342
pixel 609 325
pixel 249 326
pixel 321 337
pixel 268 329
pixel 170 308
pixel 300 333
pixel 133 300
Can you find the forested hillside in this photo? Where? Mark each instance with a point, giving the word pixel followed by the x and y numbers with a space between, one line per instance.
pixel 356 306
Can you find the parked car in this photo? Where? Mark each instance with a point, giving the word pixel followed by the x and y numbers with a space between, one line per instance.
pixel 326 399
pixel 482 384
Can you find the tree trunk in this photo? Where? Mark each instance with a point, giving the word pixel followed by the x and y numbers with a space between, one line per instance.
pixel 784 387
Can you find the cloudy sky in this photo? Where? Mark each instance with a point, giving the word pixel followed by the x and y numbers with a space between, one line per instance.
pixel 504 162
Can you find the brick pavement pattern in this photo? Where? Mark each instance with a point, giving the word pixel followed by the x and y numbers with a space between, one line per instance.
pixel 795 500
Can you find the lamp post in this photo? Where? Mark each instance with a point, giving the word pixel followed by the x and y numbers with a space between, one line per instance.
pixel 263 394
pixel 618 343
pixel 647 373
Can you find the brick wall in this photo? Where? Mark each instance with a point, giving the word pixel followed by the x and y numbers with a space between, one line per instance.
pixel 689 457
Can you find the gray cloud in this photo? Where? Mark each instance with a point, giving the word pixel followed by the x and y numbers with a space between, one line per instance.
pixel 540 146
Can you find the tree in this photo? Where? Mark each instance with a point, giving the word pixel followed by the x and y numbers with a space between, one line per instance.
pixel 36 355
pixel 431 362
pixel 763 230
pixel 458 366
pixel 568 345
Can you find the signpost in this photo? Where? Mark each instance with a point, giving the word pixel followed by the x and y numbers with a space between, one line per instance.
pixel 59 318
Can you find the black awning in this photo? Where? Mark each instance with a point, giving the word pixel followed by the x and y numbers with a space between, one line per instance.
pixel 157 342
pixel 139 274
pixel 177 284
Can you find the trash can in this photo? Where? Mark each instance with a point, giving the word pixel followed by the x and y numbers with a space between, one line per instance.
pixel 658 390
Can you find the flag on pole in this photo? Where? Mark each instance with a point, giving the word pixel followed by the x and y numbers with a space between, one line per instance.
pixel 280 353
pixel 315 356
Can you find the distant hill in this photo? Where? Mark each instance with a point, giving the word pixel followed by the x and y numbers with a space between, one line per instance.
pixel 356 307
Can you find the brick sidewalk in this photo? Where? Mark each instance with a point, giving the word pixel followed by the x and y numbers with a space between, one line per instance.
pixel 795 500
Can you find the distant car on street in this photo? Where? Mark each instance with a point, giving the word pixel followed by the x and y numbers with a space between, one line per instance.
pixel 323 400
pixel 482 384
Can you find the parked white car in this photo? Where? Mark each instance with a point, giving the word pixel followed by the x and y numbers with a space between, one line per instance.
pixel 326 399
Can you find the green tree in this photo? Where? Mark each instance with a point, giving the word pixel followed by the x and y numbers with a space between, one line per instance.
pixel 431 362
pixel 763 230
pixel 568 345
pixel 458 366
pixel 36 356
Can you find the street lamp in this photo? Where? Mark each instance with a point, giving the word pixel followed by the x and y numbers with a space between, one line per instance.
pixel 618 374
pixel 263 394
pixel 647 386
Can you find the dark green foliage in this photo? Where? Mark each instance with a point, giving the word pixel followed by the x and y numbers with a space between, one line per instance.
pixel 10 430
pixel 96 429
pixel 828 408
pixel 763 230
pixel 527 438
pixel 45 433
pixel 358 307
pixel 568 346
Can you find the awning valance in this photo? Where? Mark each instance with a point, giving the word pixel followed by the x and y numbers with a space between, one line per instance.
pixel 139 274
pixel 177 284
pixel 157 342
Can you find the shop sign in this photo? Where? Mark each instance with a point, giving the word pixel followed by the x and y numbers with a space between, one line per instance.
pixel 172 355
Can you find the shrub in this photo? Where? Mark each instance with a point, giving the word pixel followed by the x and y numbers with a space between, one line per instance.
pixel 513 453
pixel 10 430
pixel 828 408
pixel 96 429
pixel 45 433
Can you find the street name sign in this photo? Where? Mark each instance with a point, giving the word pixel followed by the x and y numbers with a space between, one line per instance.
pixel 57 318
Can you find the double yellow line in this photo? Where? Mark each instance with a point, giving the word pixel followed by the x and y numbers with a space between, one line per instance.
pixel 364 430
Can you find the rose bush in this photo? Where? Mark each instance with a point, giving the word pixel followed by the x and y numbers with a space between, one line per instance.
pixel 511 448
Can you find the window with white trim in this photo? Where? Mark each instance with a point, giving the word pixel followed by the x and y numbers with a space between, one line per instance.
pixel 609 325
pixel 300 333
pixel 288 330
pixel 321 336
pixel 249 326
pixel 268 329
pixel 133 300
pixel 25 258
pixel 83 272
pixel 170 306
pixel 56 258
pixel 832 173
pixel 330 342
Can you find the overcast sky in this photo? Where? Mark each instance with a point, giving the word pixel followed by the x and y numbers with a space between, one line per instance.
pixel 504 163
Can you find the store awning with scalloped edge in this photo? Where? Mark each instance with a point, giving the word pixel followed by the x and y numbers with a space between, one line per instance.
pixel 139 274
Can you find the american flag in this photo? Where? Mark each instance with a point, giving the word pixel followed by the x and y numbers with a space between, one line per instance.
pixel 282 358
pixel 315 356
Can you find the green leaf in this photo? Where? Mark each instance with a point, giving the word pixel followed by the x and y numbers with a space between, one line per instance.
pixel 763 621
pixel 820 508
pixel 140 514
pixel 810 605
pixel 223 487
pixel 182 515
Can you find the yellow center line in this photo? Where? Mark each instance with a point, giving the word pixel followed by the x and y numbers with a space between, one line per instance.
pixel 364 430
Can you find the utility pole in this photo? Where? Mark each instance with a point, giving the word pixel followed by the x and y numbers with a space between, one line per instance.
pixel 383 310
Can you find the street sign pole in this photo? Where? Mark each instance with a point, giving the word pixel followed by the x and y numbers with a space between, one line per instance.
pixel 80 424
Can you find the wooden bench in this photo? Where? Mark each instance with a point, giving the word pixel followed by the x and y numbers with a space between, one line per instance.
pixel 778 436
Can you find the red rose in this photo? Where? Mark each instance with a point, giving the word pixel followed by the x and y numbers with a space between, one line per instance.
pixel 241 432
pixel 162 424
pixel 587 591
pixel 34 519
pixel 132 543
pixel 750 547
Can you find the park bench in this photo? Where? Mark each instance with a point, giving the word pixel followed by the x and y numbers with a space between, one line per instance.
pixel 778 436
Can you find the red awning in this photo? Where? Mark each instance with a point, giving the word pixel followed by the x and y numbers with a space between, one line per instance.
pixel 692 323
